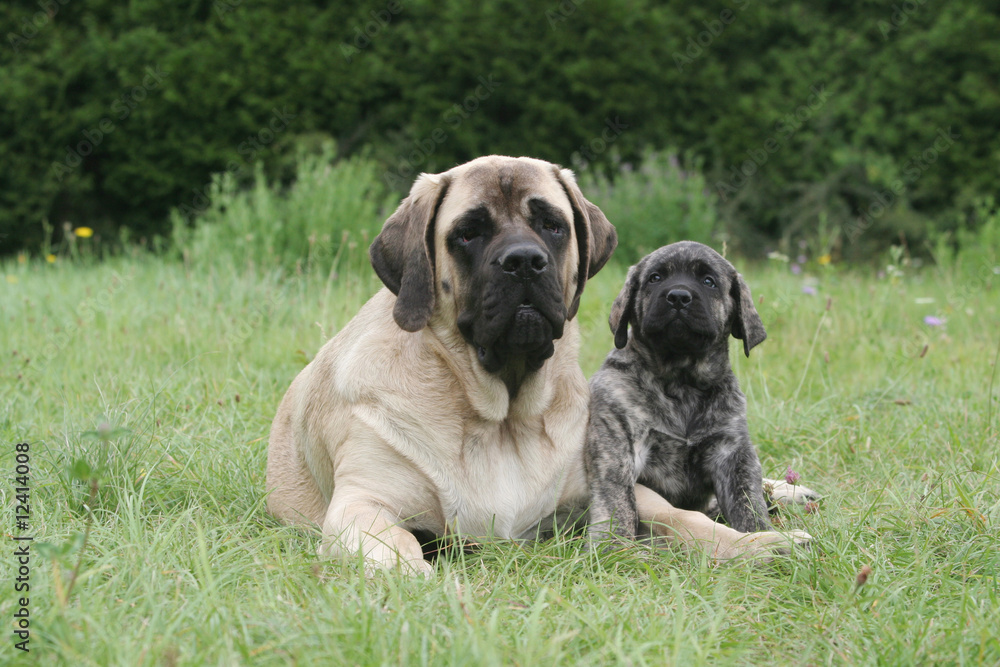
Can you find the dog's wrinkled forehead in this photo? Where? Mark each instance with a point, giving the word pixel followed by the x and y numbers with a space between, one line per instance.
pixel 503 186
pixel 690 259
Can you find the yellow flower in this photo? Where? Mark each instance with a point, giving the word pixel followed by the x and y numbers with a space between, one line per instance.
pixel 51 259
pixel 824 259
pixel 84 232
pixel 12 279
pixel 21 258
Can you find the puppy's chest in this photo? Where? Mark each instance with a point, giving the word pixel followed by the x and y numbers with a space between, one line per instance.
pixel 682 432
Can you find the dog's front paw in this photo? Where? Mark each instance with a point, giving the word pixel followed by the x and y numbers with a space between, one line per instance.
pixel 764 545
pixel 781 492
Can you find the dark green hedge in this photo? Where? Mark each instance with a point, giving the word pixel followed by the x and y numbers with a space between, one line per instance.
pixel 113 113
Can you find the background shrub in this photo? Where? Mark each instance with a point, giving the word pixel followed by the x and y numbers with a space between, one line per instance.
pixel 827 105
pixel 329 203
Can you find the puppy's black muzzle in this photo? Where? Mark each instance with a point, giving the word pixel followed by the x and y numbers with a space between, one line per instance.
pixel 679 298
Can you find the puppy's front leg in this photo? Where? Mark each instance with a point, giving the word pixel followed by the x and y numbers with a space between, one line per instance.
pixel 696 531
pixel 358 524
pixel 736 476
pixel 610 476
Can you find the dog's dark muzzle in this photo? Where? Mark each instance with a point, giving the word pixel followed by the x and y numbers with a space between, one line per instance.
pixel 520 311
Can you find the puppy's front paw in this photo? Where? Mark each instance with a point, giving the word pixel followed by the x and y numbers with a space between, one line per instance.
pixel 780 491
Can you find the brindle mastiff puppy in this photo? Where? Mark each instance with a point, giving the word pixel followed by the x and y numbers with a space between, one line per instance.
pixel 666 409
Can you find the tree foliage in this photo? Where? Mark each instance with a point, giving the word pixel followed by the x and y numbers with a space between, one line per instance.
pixel 113 114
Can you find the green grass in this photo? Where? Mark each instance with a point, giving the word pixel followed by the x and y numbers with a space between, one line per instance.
pixel 186 365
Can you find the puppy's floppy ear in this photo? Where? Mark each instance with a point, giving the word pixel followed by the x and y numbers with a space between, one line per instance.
pixel 403 253
pixel 746 322
pixel 596 238
pixel 623 309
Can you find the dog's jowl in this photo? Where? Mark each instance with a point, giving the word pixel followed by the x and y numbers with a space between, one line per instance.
pixel 666 409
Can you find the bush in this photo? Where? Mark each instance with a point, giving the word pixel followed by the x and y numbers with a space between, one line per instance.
pixel 653 204
pixel 329 203
pixel 113 114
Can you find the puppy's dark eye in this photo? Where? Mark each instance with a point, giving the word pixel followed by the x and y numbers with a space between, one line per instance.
pixel 467 236
pixel 708 281
pixel 655 278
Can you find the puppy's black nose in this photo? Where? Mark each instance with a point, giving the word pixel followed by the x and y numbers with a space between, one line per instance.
pixel 679 298
pixel 525 260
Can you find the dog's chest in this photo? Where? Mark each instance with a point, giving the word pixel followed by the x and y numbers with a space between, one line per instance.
pixel 510 477
pixel 672 454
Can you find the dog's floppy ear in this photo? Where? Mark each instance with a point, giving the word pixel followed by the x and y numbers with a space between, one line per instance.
pixel 596 238
pixel 747 325
pixel 623 308
pixel 403 253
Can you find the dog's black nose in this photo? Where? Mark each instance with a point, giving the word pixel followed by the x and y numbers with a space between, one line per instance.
pixel 679 298
pixel 525 260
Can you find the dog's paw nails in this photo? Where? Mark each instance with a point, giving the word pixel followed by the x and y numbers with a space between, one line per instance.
pixel 800 537
pixel 783 493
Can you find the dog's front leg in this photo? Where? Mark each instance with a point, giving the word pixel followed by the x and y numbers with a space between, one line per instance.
pixel 737 479
pixel 696 531
pixel 358 524
pixel 610 477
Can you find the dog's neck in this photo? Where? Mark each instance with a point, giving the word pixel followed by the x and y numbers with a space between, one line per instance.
pixel 516 392
pixel 704 371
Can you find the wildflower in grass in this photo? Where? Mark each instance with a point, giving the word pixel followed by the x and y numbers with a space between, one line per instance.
pixel 791 476
pixel 83 232
pixel 796 269
pixel 932 321
pixel 22 258
pixel 801 259
pixel 824 259
pixel 12 279
pixel 50 258
pixel 808 289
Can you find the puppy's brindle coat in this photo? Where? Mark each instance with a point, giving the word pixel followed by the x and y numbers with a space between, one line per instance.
pixel 666 410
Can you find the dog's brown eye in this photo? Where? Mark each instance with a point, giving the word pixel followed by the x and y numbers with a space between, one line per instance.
pixel 468 236
pixel 655 278
pixel 708 281
pixel 552 227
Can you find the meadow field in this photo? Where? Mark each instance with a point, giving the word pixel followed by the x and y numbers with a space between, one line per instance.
pixel 144 386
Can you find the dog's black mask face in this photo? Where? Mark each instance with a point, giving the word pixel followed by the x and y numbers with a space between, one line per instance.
pixel 685 300
pixel 513 306
pixel 500 249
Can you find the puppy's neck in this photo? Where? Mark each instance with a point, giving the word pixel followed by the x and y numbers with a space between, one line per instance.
pixel 702 371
